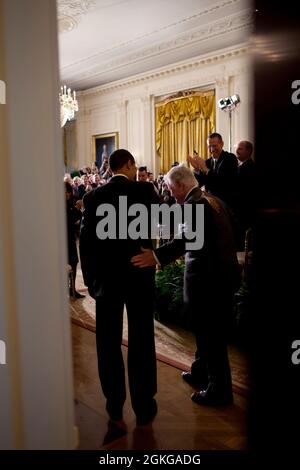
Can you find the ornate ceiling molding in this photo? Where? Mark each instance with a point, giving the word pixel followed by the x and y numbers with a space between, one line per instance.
pixel 236 22
pixel 172 70
pixel 69 13
pixel 98 56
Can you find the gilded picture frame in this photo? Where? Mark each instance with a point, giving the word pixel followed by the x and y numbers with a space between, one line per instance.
pixel 103 145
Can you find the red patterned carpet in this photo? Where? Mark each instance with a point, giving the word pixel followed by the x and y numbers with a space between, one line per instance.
pixel 174 345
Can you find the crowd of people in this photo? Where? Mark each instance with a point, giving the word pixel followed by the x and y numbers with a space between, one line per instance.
pixel 121 272
pixel 90 178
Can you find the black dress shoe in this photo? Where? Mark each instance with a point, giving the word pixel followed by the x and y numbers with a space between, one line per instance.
pixel 147 418
pixel 190 379
pixel 210 398
pixel 115 430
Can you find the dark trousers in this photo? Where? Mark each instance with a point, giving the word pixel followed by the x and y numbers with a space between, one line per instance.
pixel 138 299
pixel 211 321
pixel 212 360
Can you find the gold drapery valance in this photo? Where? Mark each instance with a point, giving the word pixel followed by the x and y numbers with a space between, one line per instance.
pixel 182 126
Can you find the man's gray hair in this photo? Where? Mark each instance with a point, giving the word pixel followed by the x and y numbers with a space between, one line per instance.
pixel 180 174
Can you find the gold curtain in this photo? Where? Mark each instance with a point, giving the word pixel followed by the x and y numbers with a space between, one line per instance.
pixel 182 126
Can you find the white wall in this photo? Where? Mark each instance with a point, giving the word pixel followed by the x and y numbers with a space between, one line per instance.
pixel 127 106
pixel 36 391
pixel 70 143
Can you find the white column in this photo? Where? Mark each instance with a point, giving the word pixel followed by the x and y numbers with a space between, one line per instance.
pixel 71 145
pixel 146 120
pixel 244 112
pixel 154 156
pixel 134 130
pixel 222 117
pixel 83 138
pixel 122 124
pixel 36 405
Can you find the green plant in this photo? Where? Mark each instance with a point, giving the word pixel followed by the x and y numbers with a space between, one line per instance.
pixel 169 293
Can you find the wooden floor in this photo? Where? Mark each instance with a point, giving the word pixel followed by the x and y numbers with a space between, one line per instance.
pixel 179 425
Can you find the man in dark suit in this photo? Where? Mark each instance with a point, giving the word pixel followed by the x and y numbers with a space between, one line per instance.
pixel 73 219
pixel 219 172
pixel 211 277
pixel 246 189
pixel 114 282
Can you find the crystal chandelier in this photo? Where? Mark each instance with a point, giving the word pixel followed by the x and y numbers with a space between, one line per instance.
pixel 68 105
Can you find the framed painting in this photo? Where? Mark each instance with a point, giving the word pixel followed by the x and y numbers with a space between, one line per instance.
pixel 103 145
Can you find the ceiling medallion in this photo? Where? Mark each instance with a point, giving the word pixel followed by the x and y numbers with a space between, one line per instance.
pixel 69 13
pixel 66 24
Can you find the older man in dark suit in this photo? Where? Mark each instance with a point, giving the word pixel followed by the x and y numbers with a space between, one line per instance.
pixel 211 277
pixel 114 282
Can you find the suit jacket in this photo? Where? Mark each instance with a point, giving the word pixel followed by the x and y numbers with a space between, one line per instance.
pixel 108 260
pixel 216 262
pixel 221 181
pixel 246 190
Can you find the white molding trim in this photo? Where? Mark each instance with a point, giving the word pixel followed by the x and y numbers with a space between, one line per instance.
pixel 235 22
pixel 192 64
pixel 98 56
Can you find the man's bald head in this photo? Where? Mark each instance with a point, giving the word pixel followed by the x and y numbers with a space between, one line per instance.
pixel 244 150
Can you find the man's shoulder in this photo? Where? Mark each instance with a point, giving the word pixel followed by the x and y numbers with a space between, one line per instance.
pixel 229 156
pixel 247 170
pixel 145 189
pixel 88 197
pixel 249 164
pixel 96 194
pixel 228 161
pixel 143 185
pixel 196 196
pixel 211 202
